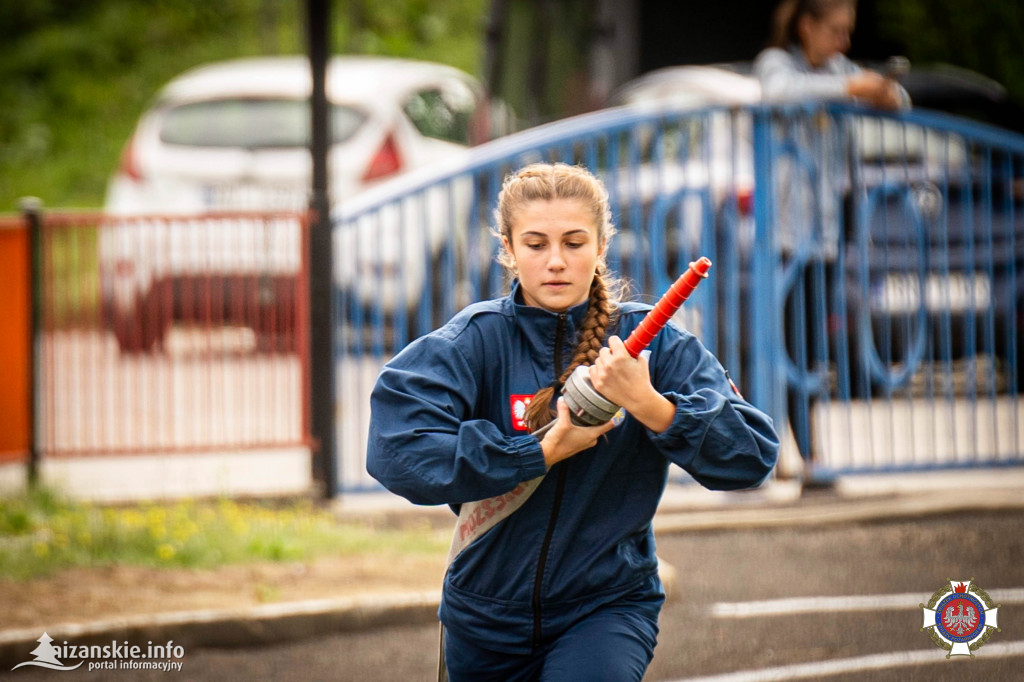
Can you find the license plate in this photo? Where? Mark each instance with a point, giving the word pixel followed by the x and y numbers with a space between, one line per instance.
pixel 901 293
pixel 254 198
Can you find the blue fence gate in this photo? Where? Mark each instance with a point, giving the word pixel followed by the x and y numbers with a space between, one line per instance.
pixel 892 247
pixel 865 288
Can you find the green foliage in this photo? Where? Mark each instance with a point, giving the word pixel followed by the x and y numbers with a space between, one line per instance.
pixel 72 296
pixel 75 76
pixel 41 533
pixel 987 37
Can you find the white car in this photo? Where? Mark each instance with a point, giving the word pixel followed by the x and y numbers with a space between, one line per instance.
pixel 690 173
pixel 233 137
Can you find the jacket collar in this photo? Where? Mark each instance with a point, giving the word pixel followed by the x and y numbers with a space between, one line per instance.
pixel 830 66
pixel 798 56
pixel 539 327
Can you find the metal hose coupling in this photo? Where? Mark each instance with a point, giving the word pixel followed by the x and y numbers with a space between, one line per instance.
pixel 588 407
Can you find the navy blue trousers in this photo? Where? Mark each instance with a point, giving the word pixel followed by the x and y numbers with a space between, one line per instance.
pixel 614 643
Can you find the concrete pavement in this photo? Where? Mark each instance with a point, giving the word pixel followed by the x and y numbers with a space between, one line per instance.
pixel 853 499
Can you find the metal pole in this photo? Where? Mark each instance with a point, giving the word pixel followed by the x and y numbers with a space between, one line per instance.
pixel 321 318
pixel 494 61
pixel 766 382
pixel 32 210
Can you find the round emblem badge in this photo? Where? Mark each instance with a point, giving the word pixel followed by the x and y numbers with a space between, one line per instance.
pixel 960 617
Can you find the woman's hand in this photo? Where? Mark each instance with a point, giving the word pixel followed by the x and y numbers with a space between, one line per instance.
pixel 626 381
pixel 874 89
pixel 564 439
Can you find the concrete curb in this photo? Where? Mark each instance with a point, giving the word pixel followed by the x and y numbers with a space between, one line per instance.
pixel 854 511
pixel 264 624
pixel 291 621
pixel 223 628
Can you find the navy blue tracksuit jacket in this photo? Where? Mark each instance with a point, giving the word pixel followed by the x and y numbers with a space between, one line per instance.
pixel 445 429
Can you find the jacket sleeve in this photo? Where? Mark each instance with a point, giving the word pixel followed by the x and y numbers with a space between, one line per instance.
pixel 782 81
pixel 424 443
pixel 716 436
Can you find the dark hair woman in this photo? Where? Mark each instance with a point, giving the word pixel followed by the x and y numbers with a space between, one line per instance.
pixel 807 58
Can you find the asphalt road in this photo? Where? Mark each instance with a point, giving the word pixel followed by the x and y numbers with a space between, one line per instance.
pixel 889 562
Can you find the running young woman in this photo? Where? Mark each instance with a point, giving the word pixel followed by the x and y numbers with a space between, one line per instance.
pixel 566 587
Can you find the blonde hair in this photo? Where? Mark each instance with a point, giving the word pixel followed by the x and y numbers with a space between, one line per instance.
pixel 545 182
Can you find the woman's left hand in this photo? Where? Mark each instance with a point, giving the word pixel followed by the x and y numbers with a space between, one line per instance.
pixel 875 89
pixel 626 381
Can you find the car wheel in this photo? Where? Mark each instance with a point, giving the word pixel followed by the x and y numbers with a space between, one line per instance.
pixel 1012 338
pixel 858 380
pixel 141 327
pixel 275 322
pixel 1019 334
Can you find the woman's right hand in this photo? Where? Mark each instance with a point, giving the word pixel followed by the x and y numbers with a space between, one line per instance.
pixel 564 439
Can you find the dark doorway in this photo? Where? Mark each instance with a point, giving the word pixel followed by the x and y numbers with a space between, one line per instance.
pixel 673 32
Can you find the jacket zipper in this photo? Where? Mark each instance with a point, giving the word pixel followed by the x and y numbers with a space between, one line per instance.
pixel 559 341
pixel 559 492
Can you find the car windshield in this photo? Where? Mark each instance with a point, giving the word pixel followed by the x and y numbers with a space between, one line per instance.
pixel 252 123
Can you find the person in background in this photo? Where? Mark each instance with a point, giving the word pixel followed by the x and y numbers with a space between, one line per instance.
pixel 807 58
pixel 566 587
pixel 806 61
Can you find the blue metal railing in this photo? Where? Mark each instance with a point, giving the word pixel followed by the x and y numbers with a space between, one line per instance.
pixel 866 289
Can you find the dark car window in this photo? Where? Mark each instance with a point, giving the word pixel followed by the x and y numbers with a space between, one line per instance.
pixel 251 123
pixel 442 115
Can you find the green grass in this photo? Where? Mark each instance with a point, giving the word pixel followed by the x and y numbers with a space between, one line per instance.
pixel 71 276
pixel 75 77
pixel 42 533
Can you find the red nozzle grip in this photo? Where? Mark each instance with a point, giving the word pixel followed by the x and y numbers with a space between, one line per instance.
pixel 667 306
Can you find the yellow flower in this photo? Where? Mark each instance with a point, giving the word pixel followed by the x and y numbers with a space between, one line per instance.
pixel 183 531
pixel 132 518
pixel 41 549
pixel 165 552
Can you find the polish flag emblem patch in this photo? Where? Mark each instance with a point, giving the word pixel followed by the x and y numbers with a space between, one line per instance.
pixel 518 405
